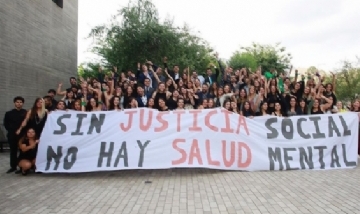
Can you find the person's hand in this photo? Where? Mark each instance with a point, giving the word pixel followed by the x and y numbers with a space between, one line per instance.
pixel 18 131
pixel 100 70
pixel 149 62
pixel 60 84
pixel 312 90
pixel 115 69
pixel 37 142
pixel 138 65
pixel 165 59
pixel 132 75
pixel 165 70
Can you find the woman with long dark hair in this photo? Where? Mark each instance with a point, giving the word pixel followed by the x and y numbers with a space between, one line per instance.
pixel 68 99
pixel 61 105
pixel 35 118
pixel 302 108
pixel 247 110
pixel 277 110
pixel 114 103
pixel 28 149
pixel 263 109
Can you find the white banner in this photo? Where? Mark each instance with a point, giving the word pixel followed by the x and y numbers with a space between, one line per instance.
pixel 215 138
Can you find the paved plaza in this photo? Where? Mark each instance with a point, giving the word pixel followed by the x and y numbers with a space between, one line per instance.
pixel 180 191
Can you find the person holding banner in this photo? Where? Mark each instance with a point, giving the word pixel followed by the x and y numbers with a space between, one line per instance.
pixel 263 109
pixel 35 118
pixel 247 110
pixel 278 111
pixel 150 103
pixel 355 107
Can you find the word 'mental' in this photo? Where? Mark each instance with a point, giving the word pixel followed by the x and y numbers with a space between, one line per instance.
pixel 285 158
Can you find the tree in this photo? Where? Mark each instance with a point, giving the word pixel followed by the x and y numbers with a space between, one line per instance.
pixel 348 81
pixel 136 34
pixel 268 57
pixel 243 60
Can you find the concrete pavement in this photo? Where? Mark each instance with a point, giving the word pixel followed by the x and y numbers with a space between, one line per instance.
pixel 188 191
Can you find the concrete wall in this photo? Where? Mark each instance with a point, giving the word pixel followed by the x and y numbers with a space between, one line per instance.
pixel 38 48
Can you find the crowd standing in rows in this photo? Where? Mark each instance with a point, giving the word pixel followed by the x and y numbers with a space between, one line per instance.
pixel 240 91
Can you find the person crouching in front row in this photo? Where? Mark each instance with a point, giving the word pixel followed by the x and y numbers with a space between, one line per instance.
pixel 28 148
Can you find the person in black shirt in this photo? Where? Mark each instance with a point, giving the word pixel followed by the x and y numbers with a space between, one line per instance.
pixel 12 122
pixel 51 95
pixel 49 105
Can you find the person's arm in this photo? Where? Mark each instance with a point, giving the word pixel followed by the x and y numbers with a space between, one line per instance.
pixel 154 95
pixel 170 77
pixel 111 87
pixel 24 123
pixel 257 103
pixel 107 99
pixel 154 73
pixel 59 91
pixel 266 88
pixel 328 102
pixel 7 121
pixel 191 97
pixel 168 95
pixel 24 147
pixel 138 70
pixel 100 75
pixel 296 77
pixel 319 82
pixel 83 104
pixel 333 82
pixel 63 98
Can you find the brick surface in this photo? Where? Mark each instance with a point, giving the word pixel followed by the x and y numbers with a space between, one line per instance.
pixel 38 43
pixel 198 191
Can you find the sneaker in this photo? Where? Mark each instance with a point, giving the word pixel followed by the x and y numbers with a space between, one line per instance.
pixel 24 173
pixel 11 170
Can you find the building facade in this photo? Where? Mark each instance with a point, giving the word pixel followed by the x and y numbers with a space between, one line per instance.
pixel 38 48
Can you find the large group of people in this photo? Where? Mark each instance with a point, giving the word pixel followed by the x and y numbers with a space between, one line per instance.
pixel 240 91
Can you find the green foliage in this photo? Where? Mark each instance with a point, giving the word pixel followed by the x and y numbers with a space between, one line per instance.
pixel 88 70
pixel 312 70
pixel 268 57
pixel 136 34
pixel 348 81
pixel 243 60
